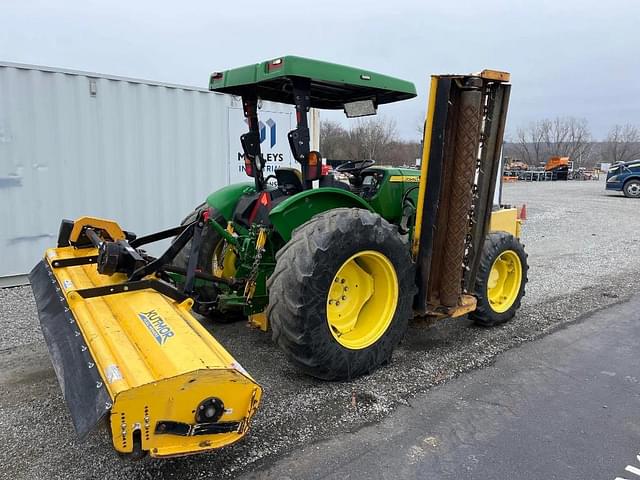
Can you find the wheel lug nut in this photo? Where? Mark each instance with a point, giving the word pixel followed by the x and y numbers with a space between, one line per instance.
pixel 344 297
pixel 346 289
pixel 330 301
pixel 342 280
pixel 337 303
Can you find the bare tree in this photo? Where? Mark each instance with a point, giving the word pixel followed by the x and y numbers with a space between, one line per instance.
pixel 333 140
pixel 562 136
pixel 402 154
pixel 529 143
pixel 568 137
pixel 622 144
pixel 370 138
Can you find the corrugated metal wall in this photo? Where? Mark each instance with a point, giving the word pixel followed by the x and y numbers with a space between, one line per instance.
pixel 74 144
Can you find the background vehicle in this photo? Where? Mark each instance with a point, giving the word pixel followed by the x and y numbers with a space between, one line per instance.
pixel 335 272
pixel 516 165
pixel 625 177
pixel 560 166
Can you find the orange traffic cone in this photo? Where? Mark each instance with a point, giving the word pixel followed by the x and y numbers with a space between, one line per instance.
pixel 523 212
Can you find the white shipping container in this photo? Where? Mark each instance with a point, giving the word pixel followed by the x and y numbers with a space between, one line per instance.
pixel 142 153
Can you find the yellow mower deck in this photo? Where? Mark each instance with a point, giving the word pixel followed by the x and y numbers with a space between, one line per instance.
pixel 140 358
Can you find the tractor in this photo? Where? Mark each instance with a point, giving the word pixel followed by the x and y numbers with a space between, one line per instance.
pixel 334 270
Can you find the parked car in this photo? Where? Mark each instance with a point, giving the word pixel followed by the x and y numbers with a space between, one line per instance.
pixel 625 177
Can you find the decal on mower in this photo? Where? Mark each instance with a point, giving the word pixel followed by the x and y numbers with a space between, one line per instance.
pixel 160 329
pixel 113 374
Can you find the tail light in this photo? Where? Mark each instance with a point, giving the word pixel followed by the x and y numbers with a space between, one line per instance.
pixel 274 65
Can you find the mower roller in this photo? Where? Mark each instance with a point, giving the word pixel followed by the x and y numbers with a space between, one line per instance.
pixel 334 269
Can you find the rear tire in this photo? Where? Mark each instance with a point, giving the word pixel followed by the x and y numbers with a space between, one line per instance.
pixel 632 189
pixel 499 294
pixel 301 291
pixel 182 258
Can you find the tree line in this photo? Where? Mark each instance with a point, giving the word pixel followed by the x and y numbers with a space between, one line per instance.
pixel 377 138
pixel 571 137
pixel 371 138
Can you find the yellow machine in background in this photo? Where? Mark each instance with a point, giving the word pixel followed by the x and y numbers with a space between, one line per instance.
pixel 556 162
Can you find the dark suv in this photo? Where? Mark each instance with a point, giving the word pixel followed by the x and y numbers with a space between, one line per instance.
pixel 625 177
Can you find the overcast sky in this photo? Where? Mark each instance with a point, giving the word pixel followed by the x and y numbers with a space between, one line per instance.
pixel 567 57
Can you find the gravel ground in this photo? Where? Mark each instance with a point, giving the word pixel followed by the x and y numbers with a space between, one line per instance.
pixel 584 254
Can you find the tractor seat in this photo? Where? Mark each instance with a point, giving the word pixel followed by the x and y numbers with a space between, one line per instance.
pixel 331 181
pixel 289 180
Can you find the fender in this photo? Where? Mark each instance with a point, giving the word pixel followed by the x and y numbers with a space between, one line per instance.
pixel 630 177
pixel 299 208
pixel 225 199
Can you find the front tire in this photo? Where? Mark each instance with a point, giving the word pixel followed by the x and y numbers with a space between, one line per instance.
pixel 501 279
pixel 341 293
pixel 632 189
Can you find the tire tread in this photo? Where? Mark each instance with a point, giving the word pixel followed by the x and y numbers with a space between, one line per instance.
pixel 297 309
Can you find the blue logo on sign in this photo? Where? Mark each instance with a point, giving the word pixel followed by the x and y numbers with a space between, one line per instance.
pixel 156 325
pixel 271 124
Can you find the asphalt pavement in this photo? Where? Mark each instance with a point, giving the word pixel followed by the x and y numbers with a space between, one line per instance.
pixel 564 407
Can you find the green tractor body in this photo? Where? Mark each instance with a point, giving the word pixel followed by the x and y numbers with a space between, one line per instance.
pixel 278 209
pixel 388 187
pixel 390 192
pixel 249 223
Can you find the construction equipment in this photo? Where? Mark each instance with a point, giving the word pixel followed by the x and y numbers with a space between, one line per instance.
pixel 516 165
pixel 513 170
pixel 559 166
pixel 335 271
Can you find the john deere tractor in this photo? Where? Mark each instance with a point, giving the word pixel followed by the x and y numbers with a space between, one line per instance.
pixel 334 269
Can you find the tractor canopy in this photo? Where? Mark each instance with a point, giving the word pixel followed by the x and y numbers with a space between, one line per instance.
pixel 306 84
pixel 331 85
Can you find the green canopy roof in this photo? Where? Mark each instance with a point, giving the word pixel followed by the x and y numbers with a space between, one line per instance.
pixel 332 85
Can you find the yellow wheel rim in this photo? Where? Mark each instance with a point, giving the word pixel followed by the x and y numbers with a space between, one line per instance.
pixel 362 300
pixel 504 281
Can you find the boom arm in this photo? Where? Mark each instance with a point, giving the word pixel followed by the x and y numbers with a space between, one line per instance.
pixel 462 139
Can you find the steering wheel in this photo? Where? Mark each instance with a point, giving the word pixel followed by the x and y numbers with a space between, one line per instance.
pixel 270 177
pixel 354 167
